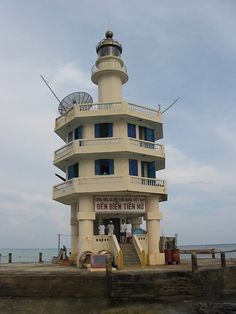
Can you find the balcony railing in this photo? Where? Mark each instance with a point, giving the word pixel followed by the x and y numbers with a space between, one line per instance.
pixel 106 183
pixel 68 148
pixel 148 181
pixel 118 107
pixel 146 144
pixel 114 65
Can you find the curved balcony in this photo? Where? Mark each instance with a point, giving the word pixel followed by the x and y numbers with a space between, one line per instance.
pixel 68 192
pixel 98 110
pixel 108 145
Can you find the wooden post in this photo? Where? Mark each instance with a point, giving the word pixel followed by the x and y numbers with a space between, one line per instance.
pixel 109 275
pixel 223 260
pixel 213 253
pixel 40 257
pixel 194 262
pixel 10 257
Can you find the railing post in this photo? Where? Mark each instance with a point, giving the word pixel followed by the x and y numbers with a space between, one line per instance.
pixel 213 253
pixel 223 260
pixel 194 263
pixel 10 258
pixel 109 275
pixel 40 257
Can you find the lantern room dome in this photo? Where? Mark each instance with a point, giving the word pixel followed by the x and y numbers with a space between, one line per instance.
pixel 109 46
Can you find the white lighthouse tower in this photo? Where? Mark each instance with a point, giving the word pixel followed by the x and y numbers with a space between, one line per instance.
pixel 110 162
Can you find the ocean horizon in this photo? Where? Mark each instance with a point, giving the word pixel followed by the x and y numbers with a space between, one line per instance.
pixel 29 255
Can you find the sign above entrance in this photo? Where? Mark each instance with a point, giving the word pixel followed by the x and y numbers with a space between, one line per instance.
pixel 116 204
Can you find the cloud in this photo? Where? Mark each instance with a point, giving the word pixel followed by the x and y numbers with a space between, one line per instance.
pixel 183 170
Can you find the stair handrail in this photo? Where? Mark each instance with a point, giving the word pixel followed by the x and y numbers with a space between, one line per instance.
pixel 117 252
pixel 140 251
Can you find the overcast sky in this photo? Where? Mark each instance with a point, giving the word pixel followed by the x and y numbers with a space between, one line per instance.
pixel 173 49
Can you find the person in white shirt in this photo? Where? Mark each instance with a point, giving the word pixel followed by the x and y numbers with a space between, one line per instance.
pixel 101 229
pixel 110 228
pixel 128 232
pixel 122 231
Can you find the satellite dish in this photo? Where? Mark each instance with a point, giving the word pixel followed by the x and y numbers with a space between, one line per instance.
pixel 73 99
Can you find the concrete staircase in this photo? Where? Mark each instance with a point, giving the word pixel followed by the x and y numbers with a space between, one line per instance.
pixel 130 256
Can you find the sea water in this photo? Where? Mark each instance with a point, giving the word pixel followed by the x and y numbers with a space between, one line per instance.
pixel 32 255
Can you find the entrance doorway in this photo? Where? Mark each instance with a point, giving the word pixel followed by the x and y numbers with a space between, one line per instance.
pixel 116 223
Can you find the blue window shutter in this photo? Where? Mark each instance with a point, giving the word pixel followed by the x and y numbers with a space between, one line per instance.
pixel 151 170
pixel 97 130
pixel 78 132
pixel 149 135
pixel 70 172
pixel 111 166
pixel 110 129
pixel 97 167
pixel 131 130
pixel 133 167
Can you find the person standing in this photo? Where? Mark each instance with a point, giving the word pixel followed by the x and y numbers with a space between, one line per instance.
pixel 122 231
pixel 110 228
pixel 101 229
pixel 128 232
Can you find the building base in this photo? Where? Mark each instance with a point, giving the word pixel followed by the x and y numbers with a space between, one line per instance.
pixel 156 259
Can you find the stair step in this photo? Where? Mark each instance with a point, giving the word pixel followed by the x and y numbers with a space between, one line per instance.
pixel 130 256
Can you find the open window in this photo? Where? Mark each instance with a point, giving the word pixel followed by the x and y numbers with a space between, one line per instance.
pixel 104 166
pixel 103 130
pixel 148 169
pixel 146 134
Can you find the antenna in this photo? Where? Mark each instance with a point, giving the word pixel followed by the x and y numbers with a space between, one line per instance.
pixel 170 105
pixel 50 88
pixel 60 177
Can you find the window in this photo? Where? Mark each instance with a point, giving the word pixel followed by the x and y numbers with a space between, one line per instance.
pixel 133 167
pixel 70 137
pixel 148 169
pixel 131 130
pixel 73 171
pixel 78 132
pixel 146 134
pixel 75 134
pixel 104 166
pixel 108 50
pixel 103 130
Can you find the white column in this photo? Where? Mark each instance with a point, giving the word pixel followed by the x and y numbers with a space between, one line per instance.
pixel 74 233
pixel 153 217
pixel 85 216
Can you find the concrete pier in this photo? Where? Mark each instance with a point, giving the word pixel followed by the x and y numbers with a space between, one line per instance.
pixel 69 289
